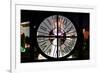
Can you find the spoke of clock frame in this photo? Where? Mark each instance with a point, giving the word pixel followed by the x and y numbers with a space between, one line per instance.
pixel 67 24
pixel 71 32
pixel 69 29
pixel 57 36
pixel 59 49
pixel 64 21
pixel 43 40
pixel 47 26
pixel 55 52
pixel 47 48
pixel 41 36
pixel 66 50
pixel 49 22
pixel 42 32
pixel 71 36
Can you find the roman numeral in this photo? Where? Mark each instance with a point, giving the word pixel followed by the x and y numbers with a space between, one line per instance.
pixel 40 33
pixel 67 49
pixel 55 51
pixel 64 21
pixel 43 46
pixel 69 29
pixel 47 48
pixel 62 52
pixel 49 22
pixel 72 42
pixel 47 26
pixel 73 31
pixel 42 40
pixel 59 52
pixel 43 28
pixel 67 23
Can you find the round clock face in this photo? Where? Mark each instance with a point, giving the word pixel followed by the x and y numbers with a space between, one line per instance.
pixel 56 36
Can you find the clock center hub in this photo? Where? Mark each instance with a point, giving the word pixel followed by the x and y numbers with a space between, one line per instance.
pixel 59 36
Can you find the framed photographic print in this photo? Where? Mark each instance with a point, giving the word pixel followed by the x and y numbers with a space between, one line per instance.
pixel 54 36
pixel 51 36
